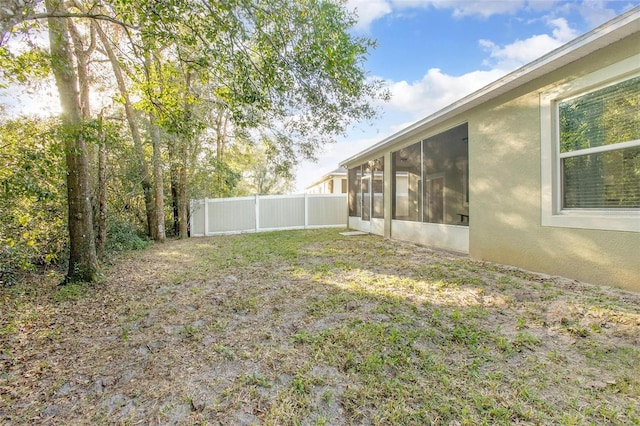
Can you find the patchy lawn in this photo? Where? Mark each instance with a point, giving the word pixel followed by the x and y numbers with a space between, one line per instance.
pixel 310 327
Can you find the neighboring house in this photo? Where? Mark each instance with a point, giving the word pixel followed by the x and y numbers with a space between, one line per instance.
pixel 334 182
pixel 540 169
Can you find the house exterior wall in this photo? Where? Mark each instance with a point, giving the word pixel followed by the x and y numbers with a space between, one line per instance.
pixel 448 237
pixel 505 191
pixel 329 186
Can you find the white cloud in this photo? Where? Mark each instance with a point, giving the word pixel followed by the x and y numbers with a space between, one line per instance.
pixel 520 52
pixel 409 102
pixel 461 8
pixel 595 12
pixel 562 32
pixel 368 11
pixel 483 9
pixel 437 90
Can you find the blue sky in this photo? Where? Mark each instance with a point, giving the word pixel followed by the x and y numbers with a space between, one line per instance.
pixel 433 52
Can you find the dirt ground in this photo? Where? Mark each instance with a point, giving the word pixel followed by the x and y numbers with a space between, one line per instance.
pixel 311 327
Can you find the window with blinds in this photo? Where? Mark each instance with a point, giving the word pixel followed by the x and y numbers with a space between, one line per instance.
pixel 599 149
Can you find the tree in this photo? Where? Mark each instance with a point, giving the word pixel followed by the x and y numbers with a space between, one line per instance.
pixel 83 262
pixel 284 71
pixel 132 120
pixel 261 176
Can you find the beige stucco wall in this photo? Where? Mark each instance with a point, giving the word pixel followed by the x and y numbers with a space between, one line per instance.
pixel 505 192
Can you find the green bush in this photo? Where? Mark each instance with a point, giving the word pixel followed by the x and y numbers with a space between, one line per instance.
pixel 32 197
pixel 123 236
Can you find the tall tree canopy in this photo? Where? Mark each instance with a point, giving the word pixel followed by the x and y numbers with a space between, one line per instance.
pixel 192 79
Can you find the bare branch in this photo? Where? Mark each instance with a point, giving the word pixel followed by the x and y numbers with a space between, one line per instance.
pixel 96 16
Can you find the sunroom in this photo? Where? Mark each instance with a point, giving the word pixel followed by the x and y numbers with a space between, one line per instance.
pixel 427 191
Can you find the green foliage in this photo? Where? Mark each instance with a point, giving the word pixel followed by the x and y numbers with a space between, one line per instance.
pixel 289 69
pixel 32 195
pixel 213 178
pixel 24 66
pixel 124 236
pixel 286 76
pixel 262 175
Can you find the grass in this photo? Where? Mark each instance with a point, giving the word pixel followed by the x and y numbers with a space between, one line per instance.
pixel 310 327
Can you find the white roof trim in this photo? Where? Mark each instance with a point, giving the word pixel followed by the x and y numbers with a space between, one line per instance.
pixel 616 29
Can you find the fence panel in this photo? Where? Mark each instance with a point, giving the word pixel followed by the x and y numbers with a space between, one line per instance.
pixel 327 210
pixel 265 213
pixel 278 212
pixel 231 215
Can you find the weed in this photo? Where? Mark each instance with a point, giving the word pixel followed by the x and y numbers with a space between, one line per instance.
pixel 227 352
pixel 191 332
pixel 8 328
pixel 256 379
pixel 304 337
pixel 557 357
pixel 218 325
pixel 526 340
pixel 244 305
pixel 578 331
pixel 124 334
pixel 467 335
pixel 521 323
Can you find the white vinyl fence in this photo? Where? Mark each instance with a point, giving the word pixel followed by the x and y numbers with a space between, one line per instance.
pixel 214 216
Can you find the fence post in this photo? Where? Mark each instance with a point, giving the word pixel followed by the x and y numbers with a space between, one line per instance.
pixel 257 212
pixel 306 210
pixel 206 216
pixel 191 213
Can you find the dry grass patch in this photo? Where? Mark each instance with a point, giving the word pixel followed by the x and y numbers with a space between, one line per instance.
pixel 310 327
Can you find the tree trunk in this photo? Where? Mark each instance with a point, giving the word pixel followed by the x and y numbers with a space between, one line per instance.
pixel 222 120
pixel 82 60
pixel 83 262
pixel 143 168
pixel 173 177
pixel 158 179
pixel 183 218
pixel 101 238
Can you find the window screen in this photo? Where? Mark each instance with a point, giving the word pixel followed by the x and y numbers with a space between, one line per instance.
pixel 445 159
pixel 354 191
pixel 407 177
pixel 366 191
pixel 378 188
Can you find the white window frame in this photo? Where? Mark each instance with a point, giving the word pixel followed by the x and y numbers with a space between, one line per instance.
pixel 551 201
